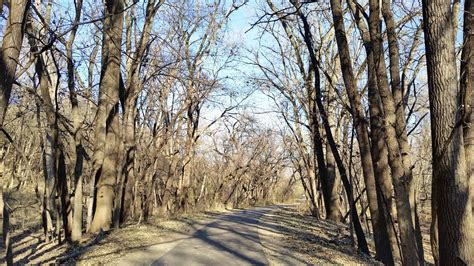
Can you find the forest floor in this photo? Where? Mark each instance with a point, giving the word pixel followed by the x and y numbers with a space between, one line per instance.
pixel 286 234
pixel 298 235
pixel 29 246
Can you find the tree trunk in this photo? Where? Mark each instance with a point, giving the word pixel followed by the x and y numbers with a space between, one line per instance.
pixel 76 233
pixel 359 121
pixel 454 206
pixel 127 151
pixel 334 179
pixel 381 169
pixel 10 51
pixel 378 148
pixel 400 175
pixel 106 125
pixel 467 87
pixel 66 208
pixel 9 54
pixel 400 126
pixel 78 151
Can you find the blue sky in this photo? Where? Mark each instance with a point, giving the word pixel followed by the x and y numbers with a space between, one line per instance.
pixel 239 31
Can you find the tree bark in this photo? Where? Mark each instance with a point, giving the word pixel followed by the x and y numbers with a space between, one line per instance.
pixel 106 125
pixel 378 147
pixel 454 206
pixel 334 178
pixel 78 151
pixel 9 54
pixel 359 120
pixel 400 175
pixel 467 87
pixel 400 126
pixel 10 51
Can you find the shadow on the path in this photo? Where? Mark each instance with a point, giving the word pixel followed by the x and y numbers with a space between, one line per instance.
pixel 245 224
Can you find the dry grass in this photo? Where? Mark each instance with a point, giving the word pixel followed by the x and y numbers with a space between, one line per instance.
pixel 301 236
pixel 300 239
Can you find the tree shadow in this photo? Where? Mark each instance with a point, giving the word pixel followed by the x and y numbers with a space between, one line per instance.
pixel 238 235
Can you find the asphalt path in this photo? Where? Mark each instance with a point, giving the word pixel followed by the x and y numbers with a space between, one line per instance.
pixel 232 239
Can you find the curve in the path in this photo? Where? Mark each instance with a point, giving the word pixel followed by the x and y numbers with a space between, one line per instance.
pixel 231 240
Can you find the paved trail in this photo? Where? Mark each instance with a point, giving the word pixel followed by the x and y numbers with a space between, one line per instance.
pixel 273 235
pixel 232 239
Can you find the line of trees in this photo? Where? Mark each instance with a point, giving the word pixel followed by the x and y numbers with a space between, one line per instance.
pixel 118 111
pixel 346 70
pixel 130 109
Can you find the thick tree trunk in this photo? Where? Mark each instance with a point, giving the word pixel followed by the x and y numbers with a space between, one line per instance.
pixel 382 172
pixel 10 51
pixel 62 190
pixel 381 169
pixel 104 198
pixel 107 125
pixel 467 87
pixel 9 54
pixel 454 206
pixel 318 152
pixel 50 149
pixel 76 233
pixel 127 151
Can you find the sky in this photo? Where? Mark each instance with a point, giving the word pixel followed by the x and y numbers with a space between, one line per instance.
pixel 239 31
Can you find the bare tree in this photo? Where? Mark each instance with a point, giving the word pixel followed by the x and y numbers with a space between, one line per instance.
pixel 360 122
pixel 106 122
pixel 450 180
pixel 9 54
